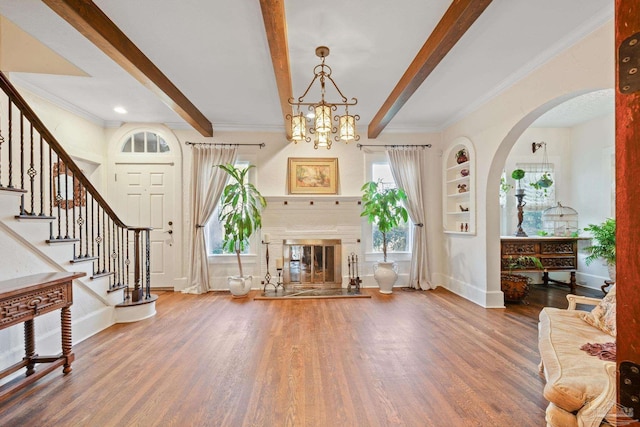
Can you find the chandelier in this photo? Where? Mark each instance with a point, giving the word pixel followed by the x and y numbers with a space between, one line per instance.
pixel 319 123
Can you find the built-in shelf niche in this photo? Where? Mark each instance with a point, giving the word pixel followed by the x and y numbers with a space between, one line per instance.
pixel 459 189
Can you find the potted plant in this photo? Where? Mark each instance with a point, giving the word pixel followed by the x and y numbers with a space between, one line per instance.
pixel 516 286
pixel 518 174
pixel 604 247
pixel 384 208
pixel 241 215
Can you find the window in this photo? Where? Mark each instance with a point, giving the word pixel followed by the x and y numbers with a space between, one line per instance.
pixel 399 238
pixel 537 199
pixel 145 142
pixel 214 231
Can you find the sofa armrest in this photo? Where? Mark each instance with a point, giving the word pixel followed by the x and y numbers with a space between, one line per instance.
pixel 577 299
pixel 593 413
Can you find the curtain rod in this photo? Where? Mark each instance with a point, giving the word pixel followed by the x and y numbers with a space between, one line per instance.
pixel 393 146
pixel 223 144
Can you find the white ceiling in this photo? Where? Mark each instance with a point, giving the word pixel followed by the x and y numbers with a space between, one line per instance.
pixel 216 53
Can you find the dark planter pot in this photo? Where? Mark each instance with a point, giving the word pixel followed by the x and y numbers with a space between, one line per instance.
pixel 515 287
pixel 461 158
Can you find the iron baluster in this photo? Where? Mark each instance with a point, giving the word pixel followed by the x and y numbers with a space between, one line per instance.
pixel 1 144
pixel 50 192
pixel 104 242
pixel 127 262
pixel 10 126
pixel 66 200
pixel 148 262
pixel 73 202
pixel 31 171
pixel 93 222
pixel 83 194
pixel 22 212
pixel 59 198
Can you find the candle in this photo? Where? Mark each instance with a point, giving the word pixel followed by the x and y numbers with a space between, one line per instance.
pixel 278 263
pixel 266 238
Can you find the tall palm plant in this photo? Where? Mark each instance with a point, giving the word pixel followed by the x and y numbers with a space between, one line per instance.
pixel 241 210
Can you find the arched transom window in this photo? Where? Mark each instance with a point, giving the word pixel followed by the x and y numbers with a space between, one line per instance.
pixel 145 142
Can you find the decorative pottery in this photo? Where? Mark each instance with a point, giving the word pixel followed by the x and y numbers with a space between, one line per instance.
pixel 515 287
pixel 461 156
pixel 386 274
pixel 239 285
pixel 464 172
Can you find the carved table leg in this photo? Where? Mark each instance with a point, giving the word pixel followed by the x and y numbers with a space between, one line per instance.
pixel 29 346
pixel 545 278
pixel 572 282
pixel 66 339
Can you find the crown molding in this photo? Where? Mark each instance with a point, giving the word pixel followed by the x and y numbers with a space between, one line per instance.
pixel 563 44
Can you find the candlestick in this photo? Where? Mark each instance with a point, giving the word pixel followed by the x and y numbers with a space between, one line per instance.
pixel 266 239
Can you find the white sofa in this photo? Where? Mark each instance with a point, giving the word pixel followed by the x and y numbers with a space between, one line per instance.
pixel 580 388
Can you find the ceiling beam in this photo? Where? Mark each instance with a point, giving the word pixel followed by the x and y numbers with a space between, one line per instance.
pixel 454 23
pixel 275 25
pixel 86 17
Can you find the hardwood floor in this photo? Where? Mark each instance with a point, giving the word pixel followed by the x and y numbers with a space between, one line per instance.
pixel 410 359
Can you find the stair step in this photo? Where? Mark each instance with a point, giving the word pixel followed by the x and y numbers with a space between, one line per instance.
pixel 129 303
pixel 84 259
pixel 116 288
pixel 98 275
pixel 134 311
pixel 12 191
pixel 61 241
pixel 35 218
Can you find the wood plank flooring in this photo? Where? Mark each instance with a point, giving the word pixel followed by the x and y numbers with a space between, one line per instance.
pixel 410 359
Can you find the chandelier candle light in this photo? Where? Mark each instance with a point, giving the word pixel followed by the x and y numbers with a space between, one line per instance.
pixel 320 125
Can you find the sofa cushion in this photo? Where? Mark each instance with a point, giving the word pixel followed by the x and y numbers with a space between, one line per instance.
pixel 573 377
pixel 603 316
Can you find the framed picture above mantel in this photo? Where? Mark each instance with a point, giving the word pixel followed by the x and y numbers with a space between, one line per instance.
pixel 312 175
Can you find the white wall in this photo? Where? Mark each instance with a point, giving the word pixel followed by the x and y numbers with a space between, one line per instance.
pixel 593 185
pixel 494 128
pixel 271 171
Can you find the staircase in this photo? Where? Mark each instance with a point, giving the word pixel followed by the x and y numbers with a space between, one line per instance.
pixel 53 218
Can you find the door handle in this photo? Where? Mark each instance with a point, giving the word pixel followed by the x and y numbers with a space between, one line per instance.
pixel 169 231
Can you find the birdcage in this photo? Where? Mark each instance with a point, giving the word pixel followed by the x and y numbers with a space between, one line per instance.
pixel 560 221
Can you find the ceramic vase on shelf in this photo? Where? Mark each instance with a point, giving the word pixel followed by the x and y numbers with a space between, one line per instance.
pixel 386 274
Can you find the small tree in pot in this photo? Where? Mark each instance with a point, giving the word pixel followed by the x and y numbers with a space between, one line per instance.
pixel 384 208
pixel 604 235
pixel 241 215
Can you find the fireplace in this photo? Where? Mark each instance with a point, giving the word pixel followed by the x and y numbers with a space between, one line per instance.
pixel 312 263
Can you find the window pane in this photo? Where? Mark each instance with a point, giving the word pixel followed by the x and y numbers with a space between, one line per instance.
pixel 126 148
pixel 398 239
pixel 164 147
pixel 382 171
pixel 138 142
pixel 215 230
pixel 152 143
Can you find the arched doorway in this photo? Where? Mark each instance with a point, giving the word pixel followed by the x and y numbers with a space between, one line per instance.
pixel 144 188
pixel 493 181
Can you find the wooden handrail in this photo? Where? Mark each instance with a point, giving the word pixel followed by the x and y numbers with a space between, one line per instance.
pixel 22 105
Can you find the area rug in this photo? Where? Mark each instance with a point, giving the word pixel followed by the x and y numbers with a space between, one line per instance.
pixel 310 294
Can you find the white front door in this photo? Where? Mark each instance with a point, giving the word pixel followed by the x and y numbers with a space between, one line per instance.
pixel 144 198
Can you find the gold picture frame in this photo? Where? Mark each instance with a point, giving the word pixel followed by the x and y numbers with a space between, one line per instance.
pixel 313 175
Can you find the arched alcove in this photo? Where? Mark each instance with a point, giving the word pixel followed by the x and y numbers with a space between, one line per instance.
pixel 493 180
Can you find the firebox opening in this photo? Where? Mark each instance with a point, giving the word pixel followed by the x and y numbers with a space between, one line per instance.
pixel 313 263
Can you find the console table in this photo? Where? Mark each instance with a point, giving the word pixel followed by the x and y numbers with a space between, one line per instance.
pixel 21 300
pixel 555 254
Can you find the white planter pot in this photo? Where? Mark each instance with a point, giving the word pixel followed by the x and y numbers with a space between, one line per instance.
pixel 239 285
pixel 386 274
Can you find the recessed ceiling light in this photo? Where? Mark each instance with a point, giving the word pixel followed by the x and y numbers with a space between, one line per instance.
pixel 120 110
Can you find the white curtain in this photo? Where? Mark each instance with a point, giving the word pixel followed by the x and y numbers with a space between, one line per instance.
pixel 207 183
pixel 407 166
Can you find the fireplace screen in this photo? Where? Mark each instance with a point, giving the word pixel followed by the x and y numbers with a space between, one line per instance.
pixel 313 262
